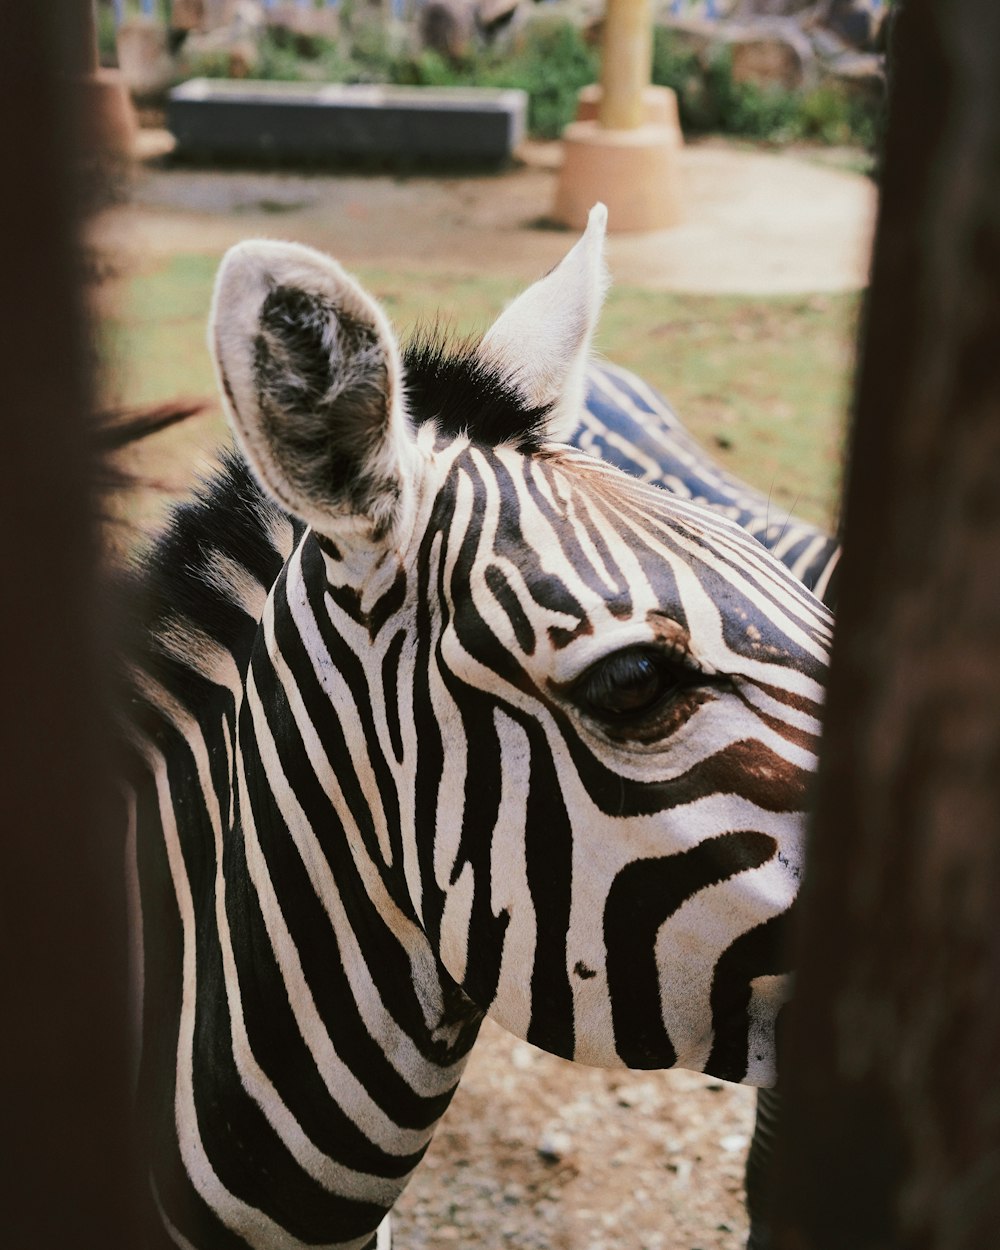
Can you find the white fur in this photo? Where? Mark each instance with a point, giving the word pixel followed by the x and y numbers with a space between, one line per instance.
pixel 543 339
pixel 248 274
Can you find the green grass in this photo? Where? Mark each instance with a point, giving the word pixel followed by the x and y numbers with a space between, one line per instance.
pixel 761 382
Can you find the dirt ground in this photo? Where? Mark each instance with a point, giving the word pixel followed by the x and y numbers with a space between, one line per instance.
pixel 536 1152
pixel 754 222
pixel 541 1154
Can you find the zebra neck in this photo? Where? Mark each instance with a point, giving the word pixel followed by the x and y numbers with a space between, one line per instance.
pixel 315 1027
pixel 318 835
pixel 349 1035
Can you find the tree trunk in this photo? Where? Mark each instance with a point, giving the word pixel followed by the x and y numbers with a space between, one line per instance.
pixel 62 1038
pixel 891 1131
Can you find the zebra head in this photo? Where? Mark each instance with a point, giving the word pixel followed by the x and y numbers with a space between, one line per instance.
pixel 582 715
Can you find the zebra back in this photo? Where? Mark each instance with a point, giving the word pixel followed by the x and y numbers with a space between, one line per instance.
pixel 629 424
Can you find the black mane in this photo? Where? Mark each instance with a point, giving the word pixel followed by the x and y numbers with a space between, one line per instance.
pixel 447 384
pixel 173 584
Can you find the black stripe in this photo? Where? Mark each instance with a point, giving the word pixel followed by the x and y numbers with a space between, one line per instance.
pixel 511 605
pixel 761 951
pixel 549 854
pixel 390 689
pixel 352 668
pixel 643 896
pixel 550 591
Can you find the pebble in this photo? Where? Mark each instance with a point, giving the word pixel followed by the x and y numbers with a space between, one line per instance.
pixel 522 1057
pixel 554 1145
pixel 642 1094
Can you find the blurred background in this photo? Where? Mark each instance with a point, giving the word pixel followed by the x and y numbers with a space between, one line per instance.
pixel 743 312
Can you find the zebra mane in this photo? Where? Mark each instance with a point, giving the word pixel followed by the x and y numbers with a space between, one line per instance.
pixel 448 383
pixel 199 588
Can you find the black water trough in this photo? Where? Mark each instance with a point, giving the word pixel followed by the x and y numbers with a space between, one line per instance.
pixel 214 119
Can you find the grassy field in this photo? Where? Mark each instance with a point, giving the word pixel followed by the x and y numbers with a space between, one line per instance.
pixel 761 382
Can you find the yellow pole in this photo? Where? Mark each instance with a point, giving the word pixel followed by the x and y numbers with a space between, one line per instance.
pixel 626 63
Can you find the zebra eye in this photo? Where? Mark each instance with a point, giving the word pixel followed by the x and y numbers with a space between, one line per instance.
pixel 629 683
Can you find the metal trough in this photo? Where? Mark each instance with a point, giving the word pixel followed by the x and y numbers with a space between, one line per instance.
pixel 286 122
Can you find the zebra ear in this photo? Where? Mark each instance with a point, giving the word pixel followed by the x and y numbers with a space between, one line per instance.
pixel 542 340
pixel 312 378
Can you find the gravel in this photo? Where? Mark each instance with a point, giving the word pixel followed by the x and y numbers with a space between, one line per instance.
pixel 541 1154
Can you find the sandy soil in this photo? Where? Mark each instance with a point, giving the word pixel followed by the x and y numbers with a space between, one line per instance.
pixel 536 1152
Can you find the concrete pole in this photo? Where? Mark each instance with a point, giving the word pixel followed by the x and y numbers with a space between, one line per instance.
pixel 626 64
pixel 107 119
pixel 89 57
pixel 624 146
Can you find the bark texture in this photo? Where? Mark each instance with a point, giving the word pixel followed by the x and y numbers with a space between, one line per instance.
pixel 891 1131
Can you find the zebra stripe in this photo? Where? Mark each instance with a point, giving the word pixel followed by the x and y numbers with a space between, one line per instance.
pixel 505 731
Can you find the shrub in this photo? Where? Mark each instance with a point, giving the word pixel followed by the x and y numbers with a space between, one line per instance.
pixel 107 47
pixel 551 64
pixel 832 116
pixel 709 99
pixel 551 61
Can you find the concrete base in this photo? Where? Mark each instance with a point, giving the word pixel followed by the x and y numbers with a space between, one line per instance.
pixel 109 126
pixel 659 105
pixel 634 172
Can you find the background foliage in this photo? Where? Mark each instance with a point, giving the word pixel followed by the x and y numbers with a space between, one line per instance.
pixel 551 60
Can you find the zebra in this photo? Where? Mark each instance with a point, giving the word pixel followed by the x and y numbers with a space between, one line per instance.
pixel 432 716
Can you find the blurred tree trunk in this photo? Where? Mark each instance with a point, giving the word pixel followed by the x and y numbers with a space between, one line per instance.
pixel 891 1130
pixel 62 1039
